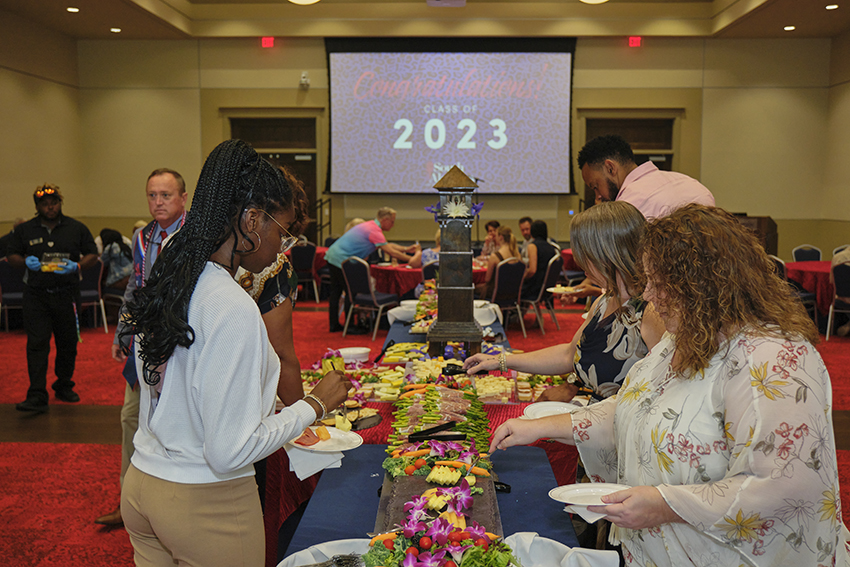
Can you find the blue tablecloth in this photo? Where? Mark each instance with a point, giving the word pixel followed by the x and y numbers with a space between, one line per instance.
pixel 345 503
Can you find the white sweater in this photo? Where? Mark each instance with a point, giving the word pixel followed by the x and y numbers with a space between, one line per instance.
pixel 215 416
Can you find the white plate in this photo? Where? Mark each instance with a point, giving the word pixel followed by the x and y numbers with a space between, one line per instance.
pixel 479 303
pixel 585 493
pixel 339 441
pixel 565 289
pixel 384 264
pixel 353 354
pixel 545 409
pixel 409 303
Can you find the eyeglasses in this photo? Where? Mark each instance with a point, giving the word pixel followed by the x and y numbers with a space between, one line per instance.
pixel 287 242
pixel 45 191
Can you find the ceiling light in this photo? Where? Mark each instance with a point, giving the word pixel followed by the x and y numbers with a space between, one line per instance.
pixel 582 1
pixel 115 30
pixel 790 28
pixel 832 6
pixel 75 10
pixel 303 2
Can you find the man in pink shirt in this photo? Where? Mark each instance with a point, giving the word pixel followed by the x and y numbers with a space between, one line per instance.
pixel 608 167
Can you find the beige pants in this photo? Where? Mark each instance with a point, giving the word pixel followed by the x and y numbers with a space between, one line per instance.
pixel 129 425
pixel 193 524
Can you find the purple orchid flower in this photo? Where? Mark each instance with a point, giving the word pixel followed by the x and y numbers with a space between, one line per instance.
pixel 476 208
pixel 460 497
pixel 438 448
pixel 412 526
pixel 332 354
pixel 439 530
pixel 427 559
pixel 434 209
pixel 458 551
pixel 476 530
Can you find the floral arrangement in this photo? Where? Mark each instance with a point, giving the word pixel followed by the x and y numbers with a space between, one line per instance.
pixel 446 540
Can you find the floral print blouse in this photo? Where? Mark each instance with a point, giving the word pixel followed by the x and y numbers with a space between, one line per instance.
pixel 743 452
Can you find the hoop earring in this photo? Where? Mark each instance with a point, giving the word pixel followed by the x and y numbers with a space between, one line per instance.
pixel 259 243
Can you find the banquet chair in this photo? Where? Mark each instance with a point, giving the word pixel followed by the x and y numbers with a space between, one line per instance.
pixel 806 253
pixel 841 281
pixel 507 293
pixel 303 258
pixel 11 289
pixel 113 294
pixel 838 249
pixel 808 299
pixel 545 298
pixel 359 287
pixel 90 291
pixel 430 270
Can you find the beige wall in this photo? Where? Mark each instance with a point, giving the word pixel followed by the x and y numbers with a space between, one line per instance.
pixel 40 118
pixel 145 104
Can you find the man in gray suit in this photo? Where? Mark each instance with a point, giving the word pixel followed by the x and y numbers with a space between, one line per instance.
pixel 166 194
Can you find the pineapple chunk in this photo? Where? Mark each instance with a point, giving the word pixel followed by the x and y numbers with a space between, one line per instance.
pixel 342 423
pixel 443 475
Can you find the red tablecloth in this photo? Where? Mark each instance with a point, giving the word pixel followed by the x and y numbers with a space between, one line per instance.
pixel 401 279
pixel 814 277
pixel 285 493
pixel 569 263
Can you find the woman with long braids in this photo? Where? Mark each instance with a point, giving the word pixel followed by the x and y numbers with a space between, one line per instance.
pixel 210 374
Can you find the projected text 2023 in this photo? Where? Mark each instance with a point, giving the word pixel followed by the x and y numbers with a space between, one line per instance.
pixel 464 135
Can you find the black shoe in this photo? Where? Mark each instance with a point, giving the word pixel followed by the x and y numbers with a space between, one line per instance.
pixel 336 329
pixel 357 330
pixel 67 395
pixel 32 405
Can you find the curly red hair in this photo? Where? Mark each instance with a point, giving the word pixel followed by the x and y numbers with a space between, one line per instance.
pixel 717 276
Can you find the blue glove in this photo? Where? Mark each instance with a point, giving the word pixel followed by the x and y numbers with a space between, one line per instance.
pixel 32 263
pixel 68 267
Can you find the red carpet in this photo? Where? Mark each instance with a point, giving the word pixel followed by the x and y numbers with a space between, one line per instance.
pixel 99 380
pixel 46 514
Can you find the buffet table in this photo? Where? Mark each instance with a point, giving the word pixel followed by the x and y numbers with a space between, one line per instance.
pixel 400 333
pixel 345 502
pixel 283 497
pixel 814 277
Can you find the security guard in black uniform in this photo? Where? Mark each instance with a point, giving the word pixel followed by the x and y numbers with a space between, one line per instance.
pixel 54 248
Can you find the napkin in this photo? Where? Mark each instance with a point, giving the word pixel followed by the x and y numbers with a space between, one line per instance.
pixel 536 551
pixel 307 463
pixel 586 514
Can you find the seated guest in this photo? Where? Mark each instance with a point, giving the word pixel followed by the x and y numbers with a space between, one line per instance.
pixel 724 431
pixel 490 241
pixel 352 223
pixel 525 230
pixel 506 248
pixel 540 251
pixel 360 240
pixel 422 257
pixel 117 258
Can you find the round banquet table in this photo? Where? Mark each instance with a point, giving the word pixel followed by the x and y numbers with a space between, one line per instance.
pixel 814 277
pixel 401 279
pixel 569 262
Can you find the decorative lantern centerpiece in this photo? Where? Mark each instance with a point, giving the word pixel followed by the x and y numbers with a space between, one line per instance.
pixel 455 291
